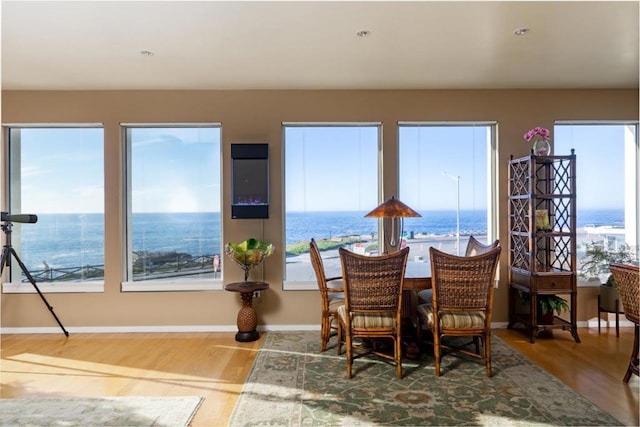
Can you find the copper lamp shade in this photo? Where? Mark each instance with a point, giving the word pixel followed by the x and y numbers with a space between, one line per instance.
pixel 393 210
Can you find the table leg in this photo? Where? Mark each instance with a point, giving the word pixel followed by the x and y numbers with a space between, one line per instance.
pixel 247 319
pixel 617 319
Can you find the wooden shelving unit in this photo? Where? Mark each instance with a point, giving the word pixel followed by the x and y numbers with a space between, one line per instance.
pixel 542 253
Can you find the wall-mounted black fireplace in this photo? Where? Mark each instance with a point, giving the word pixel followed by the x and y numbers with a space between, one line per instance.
pixel 249 181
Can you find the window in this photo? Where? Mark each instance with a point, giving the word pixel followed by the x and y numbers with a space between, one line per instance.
pixel 56 173
pixel 606 182
pixel 331 182
pixel 173 207
pixel 447 175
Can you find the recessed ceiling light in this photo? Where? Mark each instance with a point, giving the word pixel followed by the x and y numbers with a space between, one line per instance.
pixel 363 33
pixel 145 52
pixel 521 31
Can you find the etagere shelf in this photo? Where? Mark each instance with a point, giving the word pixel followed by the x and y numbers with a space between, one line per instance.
pixel 542 240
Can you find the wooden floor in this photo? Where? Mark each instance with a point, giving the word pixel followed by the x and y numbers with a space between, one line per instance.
pixel 594 368
pixel 214 365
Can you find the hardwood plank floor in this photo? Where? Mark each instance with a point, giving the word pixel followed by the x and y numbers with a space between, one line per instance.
pixel 211 365
pixel 215 366
pixel 594 368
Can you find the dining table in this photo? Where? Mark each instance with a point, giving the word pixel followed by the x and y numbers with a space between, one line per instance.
pixel 410 289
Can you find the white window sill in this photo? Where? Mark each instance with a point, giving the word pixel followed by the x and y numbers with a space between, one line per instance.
pixel 172 286
pixel 53 287
pixel 299 286
pixel 588 283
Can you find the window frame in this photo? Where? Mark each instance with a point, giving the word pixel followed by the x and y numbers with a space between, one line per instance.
pixel 177 285
pixel 492 158
pixel 631 161
pixel 297 285
pixel 13 287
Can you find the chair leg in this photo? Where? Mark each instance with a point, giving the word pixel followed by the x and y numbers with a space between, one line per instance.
pixel 486 343
pixel 398 355
pixel 338 335
pixel 633 360
pixel 599 313
pixel 617 320
pixel 325 332
pixel 436 351
pixel 349 345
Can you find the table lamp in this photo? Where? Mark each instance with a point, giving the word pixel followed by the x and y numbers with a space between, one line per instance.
pixel 393 211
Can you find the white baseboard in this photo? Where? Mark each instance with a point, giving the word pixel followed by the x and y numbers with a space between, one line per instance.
pixel 624 323
pixel 152 329
pixel 233 328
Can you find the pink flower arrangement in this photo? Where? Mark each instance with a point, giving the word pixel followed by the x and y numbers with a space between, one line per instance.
pixel 544 134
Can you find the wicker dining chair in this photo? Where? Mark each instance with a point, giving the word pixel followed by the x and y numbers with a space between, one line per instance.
pixel 331 297
pixel 372 304
pixel 627 278
pixel 474 247
pixel 462 303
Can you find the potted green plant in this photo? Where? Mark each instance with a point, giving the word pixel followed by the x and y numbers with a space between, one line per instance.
pixel 548 306
pixel 249 253
pixel 595 265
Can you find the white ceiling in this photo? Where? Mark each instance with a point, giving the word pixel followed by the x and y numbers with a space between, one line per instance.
pixel 313 45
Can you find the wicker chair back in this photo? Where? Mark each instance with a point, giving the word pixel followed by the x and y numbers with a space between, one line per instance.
pixel 627 278
pixel 331 297
pixel 475 247
pixel 373 302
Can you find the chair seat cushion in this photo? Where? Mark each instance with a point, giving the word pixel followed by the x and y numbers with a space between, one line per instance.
pixel 453 319
pixel 425 296
pixel 369 320
pixel 334 304
pixel 335 296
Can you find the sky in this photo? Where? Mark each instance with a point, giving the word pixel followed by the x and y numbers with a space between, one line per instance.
pixel 62 170
pixel 599 158
pixel 335 168
pixel 321 161
pixel 173 170
pixel 441 164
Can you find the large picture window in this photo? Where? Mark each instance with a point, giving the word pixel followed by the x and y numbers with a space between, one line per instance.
pixel 331 182
pixel 56 173
pixel 173 207
pixel 606 185
pixel 447 175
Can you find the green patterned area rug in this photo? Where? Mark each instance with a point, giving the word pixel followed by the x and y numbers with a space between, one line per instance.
pixel 99 411
pixel 292 384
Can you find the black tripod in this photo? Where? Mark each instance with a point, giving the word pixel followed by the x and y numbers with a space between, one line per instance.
pixel 8 251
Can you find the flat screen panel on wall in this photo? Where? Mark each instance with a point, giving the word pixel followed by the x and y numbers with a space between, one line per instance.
pixel 250 181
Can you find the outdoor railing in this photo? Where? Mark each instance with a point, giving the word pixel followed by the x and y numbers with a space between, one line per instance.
pixel 203 264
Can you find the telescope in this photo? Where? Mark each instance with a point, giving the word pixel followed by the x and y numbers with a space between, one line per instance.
pixel 21 218
pixel 8 252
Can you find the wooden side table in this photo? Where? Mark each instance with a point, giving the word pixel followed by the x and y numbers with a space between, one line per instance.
pixel 247 317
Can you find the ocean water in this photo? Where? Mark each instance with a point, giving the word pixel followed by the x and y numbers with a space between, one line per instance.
pixel 330 224
pixel 73 240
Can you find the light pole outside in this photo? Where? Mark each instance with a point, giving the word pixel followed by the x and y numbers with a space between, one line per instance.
pixel 456 178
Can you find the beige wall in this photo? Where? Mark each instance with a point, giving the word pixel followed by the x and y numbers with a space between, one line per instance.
pixel 256 116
